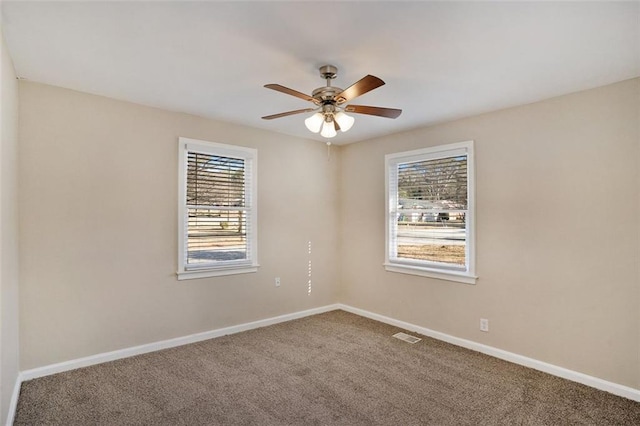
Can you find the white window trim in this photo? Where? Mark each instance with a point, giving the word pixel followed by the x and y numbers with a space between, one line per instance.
pixel 467 275
pixel 242 267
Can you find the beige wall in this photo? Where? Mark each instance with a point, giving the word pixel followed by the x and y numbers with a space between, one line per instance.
pixel 98 227
pixel 559 276
pixel 558 189
pixel 8 229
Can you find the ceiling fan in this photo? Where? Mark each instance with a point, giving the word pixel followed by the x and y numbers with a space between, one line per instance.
pixel 329 110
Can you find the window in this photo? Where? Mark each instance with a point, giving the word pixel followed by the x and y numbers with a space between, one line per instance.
pixel 217 209
pixel 430 212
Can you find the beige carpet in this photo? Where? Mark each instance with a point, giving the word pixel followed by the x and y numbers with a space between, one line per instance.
pixel 330 369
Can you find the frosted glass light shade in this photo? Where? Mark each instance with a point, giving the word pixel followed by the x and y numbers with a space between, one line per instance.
pixel 328 130
pixel 344 121
pixel 314 123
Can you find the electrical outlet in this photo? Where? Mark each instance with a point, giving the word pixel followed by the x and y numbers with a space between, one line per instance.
pixel 484 324
pixel 277 281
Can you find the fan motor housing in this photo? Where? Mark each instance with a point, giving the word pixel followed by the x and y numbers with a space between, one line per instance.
pixel 326 94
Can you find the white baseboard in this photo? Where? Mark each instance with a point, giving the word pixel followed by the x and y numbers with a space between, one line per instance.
pixel 594 382
pixel 13 404
pixel 165 344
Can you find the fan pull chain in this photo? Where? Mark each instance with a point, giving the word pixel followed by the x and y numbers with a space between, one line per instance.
pixel 328 151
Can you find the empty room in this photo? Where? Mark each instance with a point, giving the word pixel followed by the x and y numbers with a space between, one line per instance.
pixel 327 213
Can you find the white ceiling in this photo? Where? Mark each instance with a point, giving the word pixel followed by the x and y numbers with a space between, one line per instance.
pixel 440 60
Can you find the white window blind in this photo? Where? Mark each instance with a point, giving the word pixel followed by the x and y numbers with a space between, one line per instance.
pixel 218 212
pixel 430 217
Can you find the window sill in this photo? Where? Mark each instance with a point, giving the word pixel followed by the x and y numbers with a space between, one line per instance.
pixel 217 272
pixel 460 277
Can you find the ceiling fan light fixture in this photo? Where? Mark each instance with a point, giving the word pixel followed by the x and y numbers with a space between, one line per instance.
pixel 314 123
pixel 328 111
pixel 344 121
pixel 328 129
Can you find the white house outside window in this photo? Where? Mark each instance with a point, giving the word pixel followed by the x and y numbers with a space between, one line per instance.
pixel 430 212
pixel 217 220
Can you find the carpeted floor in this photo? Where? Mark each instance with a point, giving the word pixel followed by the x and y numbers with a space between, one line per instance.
pixel 330 369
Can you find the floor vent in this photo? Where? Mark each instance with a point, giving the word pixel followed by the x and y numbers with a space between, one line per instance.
pixel 406 337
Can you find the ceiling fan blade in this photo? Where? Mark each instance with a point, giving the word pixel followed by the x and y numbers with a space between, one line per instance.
pixel 371 110
pixel 284 114
pixel 362 86
pixel 286 90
